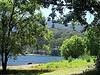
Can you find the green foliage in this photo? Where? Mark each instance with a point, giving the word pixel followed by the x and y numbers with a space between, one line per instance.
pixel 92 41
pixel 65 64
pixel 73 47
pixel 20 25
pixel 70 59
pixel 59 35
pixel 88 58
pixel 43 40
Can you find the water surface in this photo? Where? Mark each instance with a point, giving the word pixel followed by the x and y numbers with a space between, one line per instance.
pixel 23 60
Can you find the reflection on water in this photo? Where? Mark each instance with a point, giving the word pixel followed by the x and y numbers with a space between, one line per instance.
pixel 22 60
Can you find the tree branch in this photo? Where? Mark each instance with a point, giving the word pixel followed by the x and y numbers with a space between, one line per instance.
pixel 10 24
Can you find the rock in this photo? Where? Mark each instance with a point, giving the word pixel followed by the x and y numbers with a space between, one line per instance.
pixel 29 63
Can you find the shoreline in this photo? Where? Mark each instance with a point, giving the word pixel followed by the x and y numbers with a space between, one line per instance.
pixel 21 67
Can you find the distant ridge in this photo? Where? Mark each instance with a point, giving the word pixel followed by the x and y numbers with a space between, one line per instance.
pixel 78 28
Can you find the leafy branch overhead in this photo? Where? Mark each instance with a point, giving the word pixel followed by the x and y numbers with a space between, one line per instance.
pixel 78 10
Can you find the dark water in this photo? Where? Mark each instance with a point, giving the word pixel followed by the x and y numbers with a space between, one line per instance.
pixel 22 60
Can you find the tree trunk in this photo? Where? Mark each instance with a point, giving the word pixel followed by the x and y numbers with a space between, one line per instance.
pixel 98 63
pixel 4 64
pixel 4 70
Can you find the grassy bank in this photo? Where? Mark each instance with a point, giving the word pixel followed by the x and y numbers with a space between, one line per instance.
pixel 70 63
pixel 64 67
pixel 68 67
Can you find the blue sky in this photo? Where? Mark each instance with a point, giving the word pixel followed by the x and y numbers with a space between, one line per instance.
pixel 47 11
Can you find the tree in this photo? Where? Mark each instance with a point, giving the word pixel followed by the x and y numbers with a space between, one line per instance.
pixel 73 47
pixel 17 24
pixel 43 39
pixel 92 36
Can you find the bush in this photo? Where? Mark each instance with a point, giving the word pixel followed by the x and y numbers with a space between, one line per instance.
pixel 73 47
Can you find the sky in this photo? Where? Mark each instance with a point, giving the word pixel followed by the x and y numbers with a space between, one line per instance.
pixel 46 12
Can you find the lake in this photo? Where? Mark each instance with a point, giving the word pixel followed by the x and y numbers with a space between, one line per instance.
pixel 23 60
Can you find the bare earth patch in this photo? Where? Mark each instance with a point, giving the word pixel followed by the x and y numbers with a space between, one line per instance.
pixel 22 67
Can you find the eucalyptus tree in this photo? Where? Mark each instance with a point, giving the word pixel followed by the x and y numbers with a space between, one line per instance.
pixel 18 23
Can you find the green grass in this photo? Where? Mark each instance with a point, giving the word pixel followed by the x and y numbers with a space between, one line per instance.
pixel 76 63
pixel 66 67
pixel 57 72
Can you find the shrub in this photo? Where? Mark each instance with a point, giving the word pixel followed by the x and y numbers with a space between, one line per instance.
pixel 70 59
pixel 73 47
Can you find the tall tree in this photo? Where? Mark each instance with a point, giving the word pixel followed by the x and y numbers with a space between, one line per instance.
pixel 17 24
